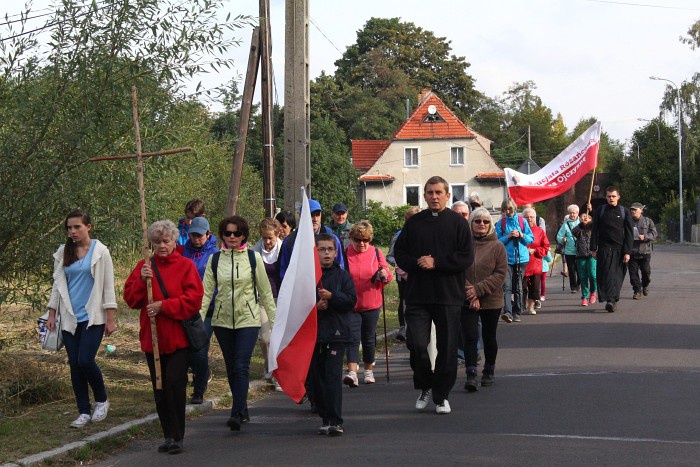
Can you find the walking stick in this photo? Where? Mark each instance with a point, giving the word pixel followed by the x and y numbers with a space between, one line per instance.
pixel 386 341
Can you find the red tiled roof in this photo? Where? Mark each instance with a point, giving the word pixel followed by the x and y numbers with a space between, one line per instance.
pixel 377 178
pixel 491 175
pixel 365 152
pixel 417 128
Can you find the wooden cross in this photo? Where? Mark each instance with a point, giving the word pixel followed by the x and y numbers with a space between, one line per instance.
pixel 144 226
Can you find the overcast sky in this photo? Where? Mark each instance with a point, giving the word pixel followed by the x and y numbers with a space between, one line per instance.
pixel 587 57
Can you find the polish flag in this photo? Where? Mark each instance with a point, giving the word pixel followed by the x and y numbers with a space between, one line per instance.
pixel 562 173
pixel 294 332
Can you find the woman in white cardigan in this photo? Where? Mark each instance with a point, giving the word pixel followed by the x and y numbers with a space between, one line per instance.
pixel 83 293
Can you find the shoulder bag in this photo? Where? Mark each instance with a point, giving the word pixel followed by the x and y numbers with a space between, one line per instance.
pixel 50 340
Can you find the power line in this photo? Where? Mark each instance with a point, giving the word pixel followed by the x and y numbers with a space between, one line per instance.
pixel 324 35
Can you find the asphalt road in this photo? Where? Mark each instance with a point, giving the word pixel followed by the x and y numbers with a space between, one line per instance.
pixel 574 386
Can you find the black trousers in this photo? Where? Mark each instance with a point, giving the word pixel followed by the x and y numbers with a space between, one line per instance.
pixel 327 380
pixel 470 331
pixel 447 330
pixel 171 400
pixel 402 287
pixel 640 264
pixel 574 280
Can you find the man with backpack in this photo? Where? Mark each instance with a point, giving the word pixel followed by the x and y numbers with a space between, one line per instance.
pixel 611 245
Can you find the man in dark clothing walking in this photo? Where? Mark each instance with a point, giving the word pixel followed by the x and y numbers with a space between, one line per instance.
pixel 435 249
pixel 644 234
pixel 611 245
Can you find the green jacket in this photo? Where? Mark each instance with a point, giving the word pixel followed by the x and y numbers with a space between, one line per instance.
pixel 235 306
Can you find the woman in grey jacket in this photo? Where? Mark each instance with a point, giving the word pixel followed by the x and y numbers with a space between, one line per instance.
pixel 83 293
pixel 484 297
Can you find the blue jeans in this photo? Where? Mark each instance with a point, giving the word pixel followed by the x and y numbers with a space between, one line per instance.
pixel 199 362
pixel 82 348
pixel 237 347
pixel 513 285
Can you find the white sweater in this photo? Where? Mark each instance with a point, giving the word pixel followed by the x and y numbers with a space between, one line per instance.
pixel 102 297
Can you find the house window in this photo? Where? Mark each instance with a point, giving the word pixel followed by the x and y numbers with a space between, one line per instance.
pixel 410 157
pixel 412 195
pixel 457 156
pixel 459 192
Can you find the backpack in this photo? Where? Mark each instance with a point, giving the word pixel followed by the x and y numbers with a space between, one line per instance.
pixel 622 210
pixel 503 224
pixel 253 262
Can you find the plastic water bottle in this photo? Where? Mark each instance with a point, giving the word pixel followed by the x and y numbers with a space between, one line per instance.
pixel 110 348
pixel 42 331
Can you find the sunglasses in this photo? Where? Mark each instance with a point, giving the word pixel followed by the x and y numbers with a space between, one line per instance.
pixel 361 240
pixel 482 221
pixel 235 233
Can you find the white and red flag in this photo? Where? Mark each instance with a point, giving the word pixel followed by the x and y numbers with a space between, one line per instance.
pixel 294 332
pixel 579 158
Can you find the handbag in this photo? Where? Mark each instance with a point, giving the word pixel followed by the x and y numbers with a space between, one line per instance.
pixel 50 340
pixel 559 249
pixel 195 331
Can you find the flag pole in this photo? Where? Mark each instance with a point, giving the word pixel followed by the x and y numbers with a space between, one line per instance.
pixel 590 191
pixel 386 341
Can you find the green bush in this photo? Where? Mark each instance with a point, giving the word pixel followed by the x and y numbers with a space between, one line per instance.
pixel 385 220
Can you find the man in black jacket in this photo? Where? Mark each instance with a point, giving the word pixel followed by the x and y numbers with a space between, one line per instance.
pixel 611 245
pixel 435 249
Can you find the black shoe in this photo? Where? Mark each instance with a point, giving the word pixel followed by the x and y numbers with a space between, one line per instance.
pixel 401 335
pixel 303 400
pixel 175 447
pixel 636 296
pixel 197 398
pixel 166 445
pixel 487 379
pixel 246 417
pixel 314 409
pixel 610 306
pixel 471 385
pixel 645 291
pixel 234 422
pixel 335 430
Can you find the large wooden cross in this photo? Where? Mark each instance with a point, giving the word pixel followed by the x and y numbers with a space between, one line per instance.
pixel 144 225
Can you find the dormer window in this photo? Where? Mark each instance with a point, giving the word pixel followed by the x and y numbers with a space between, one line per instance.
pixel 433 118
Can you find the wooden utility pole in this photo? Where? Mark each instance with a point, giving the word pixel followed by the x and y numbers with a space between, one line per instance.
pixel 246 105
pixel 144 224
pixel 297 153
pixel 269 195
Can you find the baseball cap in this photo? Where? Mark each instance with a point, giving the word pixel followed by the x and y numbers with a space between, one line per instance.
pixel 339 207
pixel 199 225
pixel 639 206
pixel 314 205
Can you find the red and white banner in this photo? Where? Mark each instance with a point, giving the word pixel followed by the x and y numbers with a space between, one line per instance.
pixel 294 332
pixel 579 158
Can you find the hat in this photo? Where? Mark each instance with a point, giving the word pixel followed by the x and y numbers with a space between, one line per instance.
pixel 639 206
pixel 339 207
pixel 199 225
pixel 314 205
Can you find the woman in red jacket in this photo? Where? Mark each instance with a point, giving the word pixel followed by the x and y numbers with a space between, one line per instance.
pixel 179 299
pixel 538 249
pixel 370 273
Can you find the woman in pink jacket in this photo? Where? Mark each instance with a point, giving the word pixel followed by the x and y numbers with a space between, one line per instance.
pixel 370 273
pixel 538 249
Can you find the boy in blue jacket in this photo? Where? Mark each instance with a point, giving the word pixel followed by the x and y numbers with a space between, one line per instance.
pixel 335 301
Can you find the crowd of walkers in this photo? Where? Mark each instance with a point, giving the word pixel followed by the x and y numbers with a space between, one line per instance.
pixel 460 270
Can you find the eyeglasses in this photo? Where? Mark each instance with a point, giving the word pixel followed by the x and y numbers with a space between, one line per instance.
pixel 361 240
pixel 235 233
pixel 324 249
pixel 482 221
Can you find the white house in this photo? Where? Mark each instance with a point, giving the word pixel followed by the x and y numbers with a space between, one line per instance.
pixel 432 141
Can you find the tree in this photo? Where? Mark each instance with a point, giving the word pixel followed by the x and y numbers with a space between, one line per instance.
pixel 68 100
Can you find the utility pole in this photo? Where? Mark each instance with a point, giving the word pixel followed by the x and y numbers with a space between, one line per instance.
pixel 246 105
pixel 269 196
pixel 297 152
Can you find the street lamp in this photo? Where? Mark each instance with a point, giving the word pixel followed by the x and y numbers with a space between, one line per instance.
pixel 634 141
pixel 680 158
pixel 658 130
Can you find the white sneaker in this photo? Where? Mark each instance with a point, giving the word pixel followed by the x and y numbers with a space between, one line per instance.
pixel 369 377
pixel 100 413
pixel 444 408
pixel 424 399
pixel 351 379
pixel 81 421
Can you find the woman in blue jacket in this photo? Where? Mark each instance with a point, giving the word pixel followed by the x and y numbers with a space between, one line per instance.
pixel 515 234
